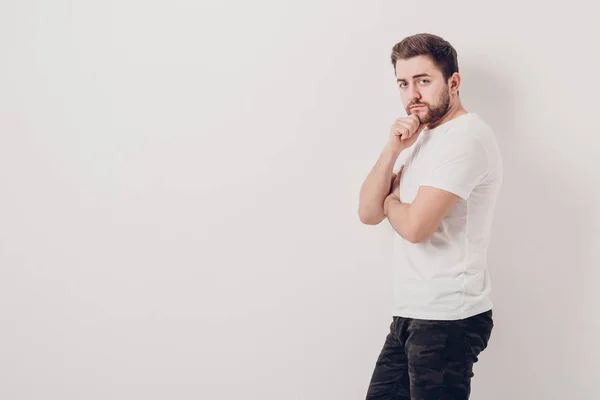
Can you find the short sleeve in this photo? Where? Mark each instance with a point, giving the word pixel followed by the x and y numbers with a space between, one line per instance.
pixel 458 164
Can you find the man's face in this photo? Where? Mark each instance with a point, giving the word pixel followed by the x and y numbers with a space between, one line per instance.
pixel 422 84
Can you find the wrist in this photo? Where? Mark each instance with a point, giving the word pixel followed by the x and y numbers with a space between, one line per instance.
pixel 393 149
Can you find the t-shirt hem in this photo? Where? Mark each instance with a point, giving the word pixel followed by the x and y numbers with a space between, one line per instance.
pixel 441 316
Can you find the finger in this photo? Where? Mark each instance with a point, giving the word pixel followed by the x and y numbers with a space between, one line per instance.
pixel 400 130
pixel 402 133
pixel 410 126
pixel 404 124
pixel 415 118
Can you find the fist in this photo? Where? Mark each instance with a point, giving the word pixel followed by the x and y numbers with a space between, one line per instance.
pixel 404 132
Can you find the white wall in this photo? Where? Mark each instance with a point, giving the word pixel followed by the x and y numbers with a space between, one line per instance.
pixel 179 186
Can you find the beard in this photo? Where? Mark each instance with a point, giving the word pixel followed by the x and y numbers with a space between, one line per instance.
pixel 431 113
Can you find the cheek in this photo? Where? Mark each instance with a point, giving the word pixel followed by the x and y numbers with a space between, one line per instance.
pixel 404 98
pixel 427 96
pixel 435 96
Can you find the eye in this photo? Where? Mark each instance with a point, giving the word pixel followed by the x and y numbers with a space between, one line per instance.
pixel 402 84
pixel 424 80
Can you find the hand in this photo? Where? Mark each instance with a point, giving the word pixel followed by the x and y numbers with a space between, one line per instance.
pixel 404 132
pixel 394 194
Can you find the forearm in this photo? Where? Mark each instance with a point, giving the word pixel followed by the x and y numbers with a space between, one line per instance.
pixel 376 187
pixel 400 218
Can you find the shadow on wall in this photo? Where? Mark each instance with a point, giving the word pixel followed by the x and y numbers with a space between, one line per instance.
pixel 536 256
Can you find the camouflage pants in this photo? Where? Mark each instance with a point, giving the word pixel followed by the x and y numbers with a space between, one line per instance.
pixel 429 360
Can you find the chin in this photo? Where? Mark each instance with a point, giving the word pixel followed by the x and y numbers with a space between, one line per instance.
pixel 422 114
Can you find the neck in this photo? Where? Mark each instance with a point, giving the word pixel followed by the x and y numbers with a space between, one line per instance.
pixel 455 110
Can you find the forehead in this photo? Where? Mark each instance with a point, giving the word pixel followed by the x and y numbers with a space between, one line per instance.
pixel 406 69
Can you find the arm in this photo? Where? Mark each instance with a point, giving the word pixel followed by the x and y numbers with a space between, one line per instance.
pixel 376 187
pixel 461 163
pixel 417 222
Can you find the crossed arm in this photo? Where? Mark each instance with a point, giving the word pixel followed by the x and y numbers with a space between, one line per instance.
pixel 417 222
pixel 461 162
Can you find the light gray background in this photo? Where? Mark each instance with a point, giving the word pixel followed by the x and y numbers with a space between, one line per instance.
pixel 179 191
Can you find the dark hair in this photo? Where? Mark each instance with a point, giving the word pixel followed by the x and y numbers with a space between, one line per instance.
pixel 441 52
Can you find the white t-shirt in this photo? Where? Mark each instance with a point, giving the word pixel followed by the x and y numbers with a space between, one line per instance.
pixel 446 276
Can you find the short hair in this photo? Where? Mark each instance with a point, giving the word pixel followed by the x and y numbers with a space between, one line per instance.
pixel 441 52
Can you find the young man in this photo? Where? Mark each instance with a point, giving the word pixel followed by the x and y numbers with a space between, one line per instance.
pixel 441 205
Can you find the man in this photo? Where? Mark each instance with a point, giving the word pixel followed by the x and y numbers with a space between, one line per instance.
pixel 440 204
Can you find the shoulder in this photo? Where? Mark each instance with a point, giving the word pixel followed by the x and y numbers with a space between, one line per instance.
pixel 468 132
pixel 468 127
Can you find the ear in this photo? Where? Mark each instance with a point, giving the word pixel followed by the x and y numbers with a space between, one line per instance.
pixel 454 83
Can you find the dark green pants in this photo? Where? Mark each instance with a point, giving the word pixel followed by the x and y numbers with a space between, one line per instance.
pixel 429 360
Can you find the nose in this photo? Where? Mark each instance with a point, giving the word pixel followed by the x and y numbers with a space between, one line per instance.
pixel 414 94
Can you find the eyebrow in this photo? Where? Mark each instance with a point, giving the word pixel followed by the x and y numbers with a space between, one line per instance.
pixel 414 77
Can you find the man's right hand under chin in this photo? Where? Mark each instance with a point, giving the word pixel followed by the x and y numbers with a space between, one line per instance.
pixel 404 132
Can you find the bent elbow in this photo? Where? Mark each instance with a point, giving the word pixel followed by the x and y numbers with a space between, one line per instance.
pixel 416 235
pixel 370 219
pixel 416 232
pixel 413 238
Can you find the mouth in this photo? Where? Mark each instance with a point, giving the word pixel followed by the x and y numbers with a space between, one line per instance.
pixel 417 106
